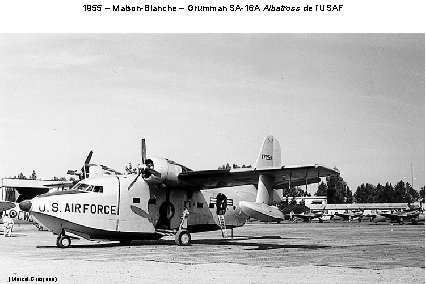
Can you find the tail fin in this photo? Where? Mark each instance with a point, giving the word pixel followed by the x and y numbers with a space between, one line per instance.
pixel 270 154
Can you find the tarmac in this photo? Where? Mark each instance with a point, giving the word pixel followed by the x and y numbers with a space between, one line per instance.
pixel 337 252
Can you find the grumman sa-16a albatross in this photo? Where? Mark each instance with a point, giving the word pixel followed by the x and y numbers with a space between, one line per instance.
pixel 166 198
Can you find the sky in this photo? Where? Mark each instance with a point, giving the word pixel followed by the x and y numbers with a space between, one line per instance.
pixel 351 101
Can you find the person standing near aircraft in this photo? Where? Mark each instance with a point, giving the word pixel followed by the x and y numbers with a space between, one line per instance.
pixel 7 225
pixel 221 203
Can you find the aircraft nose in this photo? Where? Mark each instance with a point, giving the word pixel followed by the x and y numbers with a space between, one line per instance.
pixel 25 205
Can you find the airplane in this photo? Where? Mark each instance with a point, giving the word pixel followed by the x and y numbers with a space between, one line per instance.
pixel 23 190
pixel 414 217
pixel 309 216
pixel 351 215
pixel 166 198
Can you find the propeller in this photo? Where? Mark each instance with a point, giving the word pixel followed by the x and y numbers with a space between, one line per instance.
pixel 142 168
pixel 84 170
pixel 147 167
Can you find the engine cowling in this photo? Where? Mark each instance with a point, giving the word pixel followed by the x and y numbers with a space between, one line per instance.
pixel 164 171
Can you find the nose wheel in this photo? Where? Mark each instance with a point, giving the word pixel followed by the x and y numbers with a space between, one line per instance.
pixel 63 241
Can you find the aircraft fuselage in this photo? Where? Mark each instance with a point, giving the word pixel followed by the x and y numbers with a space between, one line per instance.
pixel 107 208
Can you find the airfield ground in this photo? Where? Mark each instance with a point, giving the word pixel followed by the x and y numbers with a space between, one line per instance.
pixel 260 253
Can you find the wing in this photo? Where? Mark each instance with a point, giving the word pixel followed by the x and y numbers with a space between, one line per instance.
pixel 283 176
pixel 6 205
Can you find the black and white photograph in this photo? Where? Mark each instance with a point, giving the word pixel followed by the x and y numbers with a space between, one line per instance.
pixel 212 157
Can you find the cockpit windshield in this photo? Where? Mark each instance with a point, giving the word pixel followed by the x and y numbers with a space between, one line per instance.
pixel 88 187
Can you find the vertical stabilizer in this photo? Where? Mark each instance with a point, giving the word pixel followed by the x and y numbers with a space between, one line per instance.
pixel 270 154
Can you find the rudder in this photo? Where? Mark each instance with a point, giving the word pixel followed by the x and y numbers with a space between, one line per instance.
pixel 269 154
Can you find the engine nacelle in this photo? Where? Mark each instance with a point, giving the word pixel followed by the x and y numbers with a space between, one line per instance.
pixel 165 171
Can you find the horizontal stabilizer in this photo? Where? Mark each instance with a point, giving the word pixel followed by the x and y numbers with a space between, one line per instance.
pixel 261 211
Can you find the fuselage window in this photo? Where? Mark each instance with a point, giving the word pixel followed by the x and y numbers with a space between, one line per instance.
pixel 90 188
pixel 199 205
pixel 98 188
pixel 80 186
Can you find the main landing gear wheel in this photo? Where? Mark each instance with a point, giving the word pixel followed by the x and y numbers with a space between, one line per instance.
pixel 63 241
pixel 183 238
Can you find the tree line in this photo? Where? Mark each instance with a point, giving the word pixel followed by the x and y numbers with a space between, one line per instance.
pixel 33 176
pixel 402 192
pixel 234 166
pixel 337 191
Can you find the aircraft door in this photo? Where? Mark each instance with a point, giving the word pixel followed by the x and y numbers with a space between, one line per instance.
pixel 221 204
pixel 166 213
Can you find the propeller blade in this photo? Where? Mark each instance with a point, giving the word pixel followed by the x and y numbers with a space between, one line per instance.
pixel 89 157
pixel 134 181
pixel 143 151
pixel 85 169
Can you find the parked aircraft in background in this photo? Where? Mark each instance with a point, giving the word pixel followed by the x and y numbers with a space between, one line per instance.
pixel 351 215
pixel 309 216
pixel 166 198
pixel 17 190
pixel 413 217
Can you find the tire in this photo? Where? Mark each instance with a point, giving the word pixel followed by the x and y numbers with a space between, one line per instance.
pixel 183 238
pixel 63 241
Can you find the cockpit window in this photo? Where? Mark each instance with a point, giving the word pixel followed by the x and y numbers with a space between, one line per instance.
pixel 88 187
